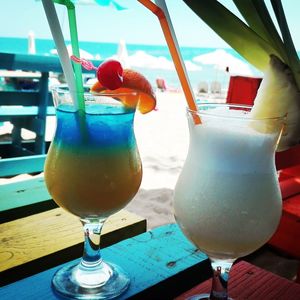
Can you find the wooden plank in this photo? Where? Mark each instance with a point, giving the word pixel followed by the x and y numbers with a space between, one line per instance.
pixel 250 282
pixel 6 112
pixel 42 63
pixel 19 165
pixel 25 192
pixel 41 237
pixel 24 98
pixel 8 150
pixel 19 74
pixel 162 263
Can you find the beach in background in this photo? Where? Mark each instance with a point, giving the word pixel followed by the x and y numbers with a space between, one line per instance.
pixel 154 61
pixel 162 135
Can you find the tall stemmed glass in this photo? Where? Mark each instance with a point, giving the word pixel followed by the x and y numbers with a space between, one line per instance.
pixel 93 169
pixel 227 199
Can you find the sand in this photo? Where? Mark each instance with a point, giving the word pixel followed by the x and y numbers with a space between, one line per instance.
pixel 162 137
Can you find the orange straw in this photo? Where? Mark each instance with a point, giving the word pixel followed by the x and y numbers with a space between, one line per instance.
pixel 170 37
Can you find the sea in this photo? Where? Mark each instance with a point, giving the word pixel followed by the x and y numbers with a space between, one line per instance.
pixel 153 61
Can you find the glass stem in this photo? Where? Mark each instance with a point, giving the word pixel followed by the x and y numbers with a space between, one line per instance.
pixel 91 253
pixel 220 279
pixel 92 271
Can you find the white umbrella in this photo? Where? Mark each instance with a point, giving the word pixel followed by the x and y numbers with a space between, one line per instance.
pixel 224 61
pixel 122 54
pixel 141 59
pixel 31 42
pixel 83 53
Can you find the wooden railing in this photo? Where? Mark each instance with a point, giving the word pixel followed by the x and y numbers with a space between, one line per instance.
pixel 27 109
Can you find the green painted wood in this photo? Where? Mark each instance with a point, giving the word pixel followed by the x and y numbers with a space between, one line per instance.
pixel 42 63
pixel 23 164
pixel 8 151
pixel 6 112
pixel 23 193
pixel 162 264
pixel 33 110
pixel 24 98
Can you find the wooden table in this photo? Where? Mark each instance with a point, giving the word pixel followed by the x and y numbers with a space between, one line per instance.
pixel 164 265
pixel 36 235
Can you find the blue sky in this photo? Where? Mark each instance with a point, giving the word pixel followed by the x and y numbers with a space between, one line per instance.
pixel 136 24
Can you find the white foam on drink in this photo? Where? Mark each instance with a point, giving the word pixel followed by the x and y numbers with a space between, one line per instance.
pixel 231 141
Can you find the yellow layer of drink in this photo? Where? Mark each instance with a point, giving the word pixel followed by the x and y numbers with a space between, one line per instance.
pixel 93 169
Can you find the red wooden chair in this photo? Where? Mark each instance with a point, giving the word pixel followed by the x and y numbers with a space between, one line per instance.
pixel 242 89
pixel 287 237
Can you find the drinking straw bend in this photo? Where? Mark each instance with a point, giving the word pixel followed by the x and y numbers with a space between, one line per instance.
pixel 75 48
pixel 162 14
pixel 61 47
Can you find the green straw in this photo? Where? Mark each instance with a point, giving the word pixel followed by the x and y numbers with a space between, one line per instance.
pixel 75 49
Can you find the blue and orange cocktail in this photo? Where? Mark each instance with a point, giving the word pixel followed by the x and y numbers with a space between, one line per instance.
pixel 93 168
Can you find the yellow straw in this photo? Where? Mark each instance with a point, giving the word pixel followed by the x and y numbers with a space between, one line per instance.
pixel 170 37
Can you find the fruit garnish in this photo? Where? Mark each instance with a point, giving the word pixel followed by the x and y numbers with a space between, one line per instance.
pixel 113 79
pixel 132 81
pixel 109 73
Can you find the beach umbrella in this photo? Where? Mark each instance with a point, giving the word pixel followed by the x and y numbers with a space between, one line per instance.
pixel 83 53
pixel 122 54
pixel 222 60
pixel 31 42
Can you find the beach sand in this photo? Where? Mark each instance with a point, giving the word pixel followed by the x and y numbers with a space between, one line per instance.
pixel 162 138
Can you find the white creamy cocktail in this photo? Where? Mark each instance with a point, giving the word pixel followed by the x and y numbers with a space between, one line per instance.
pixel 227 199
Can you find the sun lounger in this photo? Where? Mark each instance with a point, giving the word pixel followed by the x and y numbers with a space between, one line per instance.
pixel 163 87
pixel 215 87
pixel 202 87
pixel 161 84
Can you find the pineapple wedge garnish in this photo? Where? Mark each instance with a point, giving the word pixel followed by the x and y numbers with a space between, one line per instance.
pixel 278 95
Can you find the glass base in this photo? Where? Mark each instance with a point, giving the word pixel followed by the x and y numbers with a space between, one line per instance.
pixel 74 281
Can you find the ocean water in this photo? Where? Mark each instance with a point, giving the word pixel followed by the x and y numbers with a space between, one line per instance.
pixel 151 60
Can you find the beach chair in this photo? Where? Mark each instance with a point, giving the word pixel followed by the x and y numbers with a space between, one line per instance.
pixel 161 84
pixel 286 239
pixel 202 87
pixel 216 87
pixel 242 89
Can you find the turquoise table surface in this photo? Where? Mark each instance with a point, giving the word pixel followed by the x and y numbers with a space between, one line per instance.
pixel 162 264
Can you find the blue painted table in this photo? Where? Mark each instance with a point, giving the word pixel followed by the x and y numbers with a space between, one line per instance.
pixel 162 264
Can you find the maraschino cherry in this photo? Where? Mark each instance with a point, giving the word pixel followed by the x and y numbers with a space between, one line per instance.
pixel 109 73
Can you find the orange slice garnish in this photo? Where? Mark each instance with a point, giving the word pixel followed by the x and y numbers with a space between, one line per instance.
pixel 133 81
